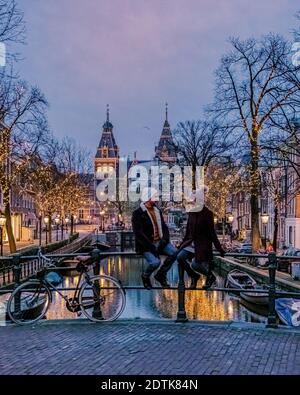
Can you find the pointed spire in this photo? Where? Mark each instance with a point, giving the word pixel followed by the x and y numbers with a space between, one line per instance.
pixel 164 150
pixel 167 111
pixel 107 112
pixel 166 124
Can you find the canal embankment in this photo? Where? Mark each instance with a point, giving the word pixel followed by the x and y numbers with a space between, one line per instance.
pixel 283 280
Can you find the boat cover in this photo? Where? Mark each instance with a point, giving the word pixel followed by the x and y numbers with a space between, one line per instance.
pixel 288 310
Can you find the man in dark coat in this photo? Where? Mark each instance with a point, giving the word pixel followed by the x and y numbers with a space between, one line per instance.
pixel 152 238
pixel 198 240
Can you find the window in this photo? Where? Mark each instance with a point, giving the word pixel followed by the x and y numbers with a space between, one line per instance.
pixel 291 235
pixel 105 152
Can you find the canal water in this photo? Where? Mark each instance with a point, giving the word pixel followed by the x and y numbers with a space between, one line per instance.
pixel 154 304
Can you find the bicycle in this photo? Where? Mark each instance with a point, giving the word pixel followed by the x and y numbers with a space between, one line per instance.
pixel 99 297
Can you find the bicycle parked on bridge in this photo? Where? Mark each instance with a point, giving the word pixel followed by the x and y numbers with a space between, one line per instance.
pixel 99 297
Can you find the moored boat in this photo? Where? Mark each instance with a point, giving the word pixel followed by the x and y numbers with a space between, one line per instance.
pixel 261 298
pixel 242 280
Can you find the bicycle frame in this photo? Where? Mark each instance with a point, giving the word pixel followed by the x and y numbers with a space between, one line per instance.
pixel 76 291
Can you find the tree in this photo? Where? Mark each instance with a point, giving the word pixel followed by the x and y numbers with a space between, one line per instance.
pixel 23 129
pixel 199 143
pixel 12 26
pixel 74 166
pixel 257 92
pixel 222 183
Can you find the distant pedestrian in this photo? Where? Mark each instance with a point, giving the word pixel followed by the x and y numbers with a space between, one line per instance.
pixel 152 238
pixel 198 240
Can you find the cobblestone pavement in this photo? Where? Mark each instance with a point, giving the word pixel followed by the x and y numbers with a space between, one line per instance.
pixel 148 348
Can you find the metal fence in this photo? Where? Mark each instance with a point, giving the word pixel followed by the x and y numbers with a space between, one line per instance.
pixel 19 268
pixel 16 268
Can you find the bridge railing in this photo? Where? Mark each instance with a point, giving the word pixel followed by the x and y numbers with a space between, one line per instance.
pixel 16 265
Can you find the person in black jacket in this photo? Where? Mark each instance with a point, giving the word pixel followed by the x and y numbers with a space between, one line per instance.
pixel 198 240
pixel 152 238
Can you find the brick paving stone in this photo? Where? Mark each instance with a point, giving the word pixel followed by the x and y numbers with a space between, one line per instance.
pixel 147 348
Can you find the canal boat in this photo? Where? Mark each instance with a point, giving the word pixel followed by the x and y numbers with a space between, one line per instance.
pixel 242 280
pixel 258 298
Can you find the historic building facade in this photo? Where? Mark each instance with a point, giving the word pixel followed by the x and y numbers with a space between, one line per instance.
pixel 107 162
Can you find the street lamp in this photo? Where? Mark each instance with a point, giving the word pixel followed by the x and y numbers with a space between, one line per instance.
pixel 75 218
pixel 215 220
pixel 40 229
pixel 265 220
pixel 67 220
pixel 46 220
pixel 102 213
pixel 2 224
pixel 230 218
pixel 57 221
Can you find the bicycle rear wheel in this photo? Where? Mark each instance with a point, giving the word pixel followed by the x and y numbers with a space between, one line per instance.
pixel 102 298
pixel 28 303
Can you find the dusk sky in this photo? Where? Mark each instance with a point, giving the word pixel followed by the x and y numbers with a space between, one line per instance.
pixel 135 55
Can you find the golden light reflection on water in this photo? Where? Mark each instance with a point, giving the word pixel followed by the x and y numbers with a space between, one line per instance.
pixel 199 305
pixel 58 308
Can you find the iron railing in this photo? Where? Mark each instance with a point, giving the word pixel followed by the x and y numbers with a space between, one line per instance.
pixel 15 268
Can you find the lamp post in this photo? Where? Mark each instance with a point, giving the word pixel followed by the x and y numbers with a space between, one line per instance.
pixel 230 218
pixel 102 213
pixel 46 220
pixel 57 221
pixel 62 228
pixel 67 220
pixel 74 218
pixel 40 229
pixel 265 220
pixel 2 224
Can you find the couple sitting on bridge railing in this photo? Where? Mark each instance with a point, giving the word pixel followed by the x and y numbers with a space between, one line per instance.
pixel 152 240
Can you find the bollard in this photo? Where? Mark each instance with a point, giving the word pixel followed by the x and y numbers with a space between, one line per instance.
pixel 181 313
pixel 96 257
pixel 17 269
pixel 272 321
pixel 17 279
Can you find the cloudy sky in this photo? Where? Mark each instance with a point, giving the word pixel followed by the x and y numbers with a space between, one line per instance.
pixel 135 55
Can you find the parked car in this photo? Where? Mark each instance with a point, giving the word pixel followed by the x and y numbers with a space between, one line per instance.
pixel 284 265
pixel 245 248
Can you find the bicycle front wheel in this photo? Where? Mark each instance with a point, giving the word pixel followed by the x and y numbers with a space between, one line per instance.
pixel 102 298
pixel 28 303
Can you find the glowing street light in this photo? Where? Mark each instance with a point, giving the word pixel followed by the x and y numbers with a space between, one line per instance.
pixel 2 225
pixel 265 220
pixel 46 221
pixel 57 221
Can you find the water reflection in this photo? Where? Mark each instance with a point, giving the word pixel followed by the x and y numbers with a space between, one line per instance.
pixel 201 305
